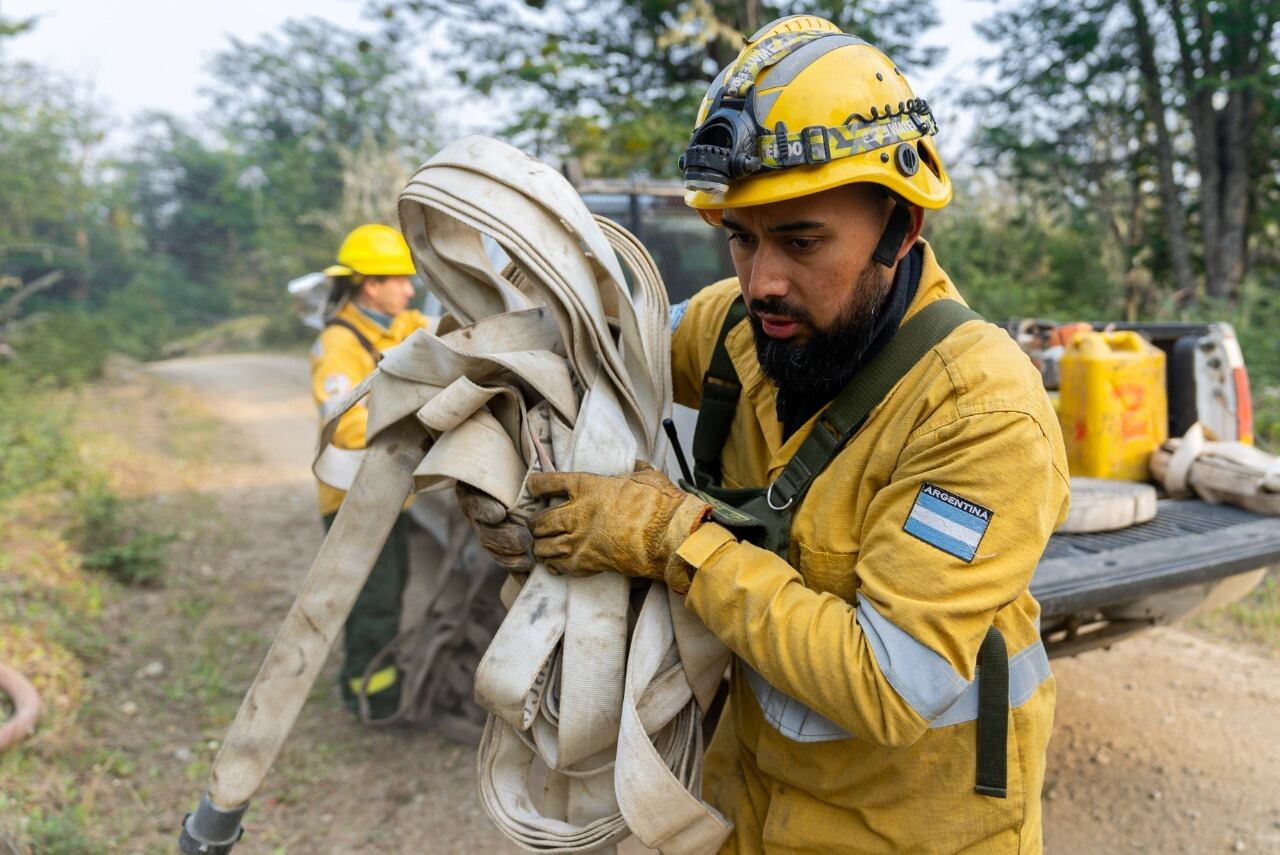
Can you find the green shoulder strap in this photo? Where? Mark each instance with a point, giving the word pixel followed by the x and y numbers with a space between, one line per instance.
pixel 360 337
pixel 837 424
pixel 721 389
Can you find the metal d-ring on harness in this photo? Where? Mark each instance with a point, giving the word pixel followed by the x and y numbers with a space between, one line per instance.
pixel 764 515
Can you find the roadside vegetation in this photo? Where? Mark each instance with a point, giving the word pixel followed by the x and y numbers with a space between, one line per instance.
pixel 1255 619
pixel 69 543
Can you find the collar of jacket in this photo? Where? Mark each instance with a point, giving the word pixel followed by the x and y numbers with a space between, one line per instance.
pixel 934 285
pixel 402 325
pixel 380 318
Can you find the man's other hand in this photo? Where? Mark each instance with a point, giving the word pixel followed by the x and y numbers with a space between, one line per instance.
pixel 505 539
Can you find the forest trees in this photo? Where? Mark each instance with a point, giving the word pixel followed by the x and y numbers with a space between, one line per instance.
pixel 1154 111
pixel 616 83
pixel 189 222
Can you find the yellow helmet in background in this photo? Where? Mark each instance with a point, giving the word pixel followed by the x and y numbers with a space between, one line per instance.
pixel 373 250
pixel 805 108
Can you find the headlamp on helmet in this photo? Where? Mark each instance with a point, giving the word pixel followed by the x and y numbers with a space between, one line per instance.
pixel 725 147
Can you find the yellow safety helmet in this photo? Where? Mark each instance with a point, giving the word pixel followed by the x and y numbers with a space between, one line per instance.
pixel 805 108
pixel 373 250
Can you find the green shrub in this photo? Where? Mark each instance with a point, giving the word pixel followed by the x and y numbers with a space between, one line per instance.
pixel 35 449
pixel 61 833
pixel 110 542
pixel 286 331
pixel 61 349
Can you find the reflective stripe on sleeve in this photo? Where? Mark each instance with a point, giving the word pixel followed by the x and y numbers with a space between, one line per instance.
pixel 788 716
pixel 919 675
pixel 677 314
pixel 1028 669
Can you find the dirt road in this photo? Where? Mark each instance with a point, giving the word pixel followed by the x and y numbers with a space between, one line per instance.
pixel 338 787
pixel 1168 743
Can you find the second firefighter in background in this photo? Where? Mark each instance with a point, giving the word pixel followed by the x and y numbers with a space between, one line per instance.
pixel 366 313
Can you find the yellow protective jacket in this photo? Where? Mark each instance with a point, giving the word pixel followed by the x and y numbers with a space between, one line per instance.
pixel 339 362
pixel 851 720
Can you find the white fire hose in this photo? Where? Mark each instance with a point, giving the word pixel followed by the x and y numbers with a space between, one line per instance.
pixel 1219 472
pixel 596 685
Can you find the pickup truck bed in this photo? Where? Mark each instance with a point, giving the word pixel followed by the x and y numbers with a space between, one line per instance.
pixel 1095 588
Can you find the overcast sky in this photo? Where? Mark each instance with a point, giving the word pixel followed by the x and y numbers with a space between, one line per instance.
pixel 151 54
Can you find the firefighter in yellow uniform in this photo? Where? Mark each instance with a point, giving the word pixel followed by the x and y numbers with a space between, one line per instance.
pixel 877 473
pixel 367 313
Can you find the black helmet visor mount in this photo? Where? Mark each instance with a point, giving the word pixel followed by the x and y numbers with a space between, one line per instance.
pixel 725 147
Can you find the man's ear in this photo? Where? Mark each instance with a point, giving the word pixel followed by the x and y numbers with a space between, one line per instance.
pixel 913 231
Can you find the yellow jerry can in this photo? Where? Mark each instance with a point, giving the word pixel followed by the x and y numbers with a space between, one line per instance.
pixel 1112 405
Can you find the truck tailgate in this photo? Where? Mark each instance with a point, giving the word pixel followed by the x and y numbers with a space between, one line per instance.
pixel 1188 542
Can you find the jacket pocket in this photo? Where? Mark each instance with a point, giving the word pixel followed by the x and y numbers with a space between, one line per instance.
pixel 830 572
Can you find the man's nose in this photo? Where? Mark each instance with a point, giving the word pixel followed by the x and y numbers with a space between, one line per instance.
pixel 769 274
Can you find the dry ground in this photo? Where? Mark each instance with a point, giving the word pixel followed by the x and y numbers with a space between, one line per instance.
pixel 1170 742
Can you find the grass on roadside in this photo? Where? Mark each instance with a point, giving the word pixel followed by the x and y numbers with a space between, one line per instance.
pixel 1254 619
pixel 70 546
pixel 113 543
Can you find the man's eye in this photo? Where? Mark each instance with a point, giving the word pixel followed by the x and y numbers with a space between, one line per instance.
pixel 741 238
pixel 802 244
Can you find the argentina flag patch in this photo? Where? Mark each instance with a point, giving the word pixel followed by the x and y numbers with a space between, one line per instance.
pixel 947 522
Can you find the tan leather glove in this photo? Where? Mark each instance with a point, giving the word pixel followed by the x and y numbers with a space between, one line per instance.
pixel 507 540
pixel 631 524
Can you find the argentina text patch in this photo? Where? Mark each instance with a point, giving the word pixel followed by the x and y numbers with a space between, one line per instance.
pixel 948 522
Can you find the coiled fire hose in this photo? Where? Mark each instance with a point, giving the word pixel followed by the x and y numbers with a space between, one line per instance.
pixel 26 707
pixel 595 685
pixel 1218 472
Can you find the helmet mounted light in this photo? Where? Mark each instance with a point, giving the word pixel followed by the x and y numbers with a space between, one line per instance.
pixel 725 147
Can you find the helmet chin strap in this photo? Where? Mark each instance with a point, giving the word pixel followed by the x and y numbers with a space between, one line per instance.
pixel 895 231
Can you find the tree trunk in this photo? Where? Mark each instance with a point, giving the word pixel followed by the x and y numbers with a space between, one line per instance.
pixel 1171 205
pixel 1204 130
pixel 1233 237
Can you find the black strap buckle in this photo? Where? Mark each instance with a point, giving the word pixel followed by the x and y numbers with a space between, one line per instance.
pixel 807 143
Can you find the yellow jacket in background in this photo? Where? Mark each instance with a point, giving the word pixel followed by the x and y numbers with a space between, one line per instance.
pixel 339 361
pixel 851 720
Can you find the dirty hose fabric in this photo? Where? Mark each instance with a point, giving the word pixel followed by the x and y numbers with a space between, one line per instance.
pixel 595 685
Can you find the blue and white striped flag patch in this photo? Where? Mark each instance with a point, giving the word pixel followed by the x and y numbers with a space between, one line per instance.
pixel 948 522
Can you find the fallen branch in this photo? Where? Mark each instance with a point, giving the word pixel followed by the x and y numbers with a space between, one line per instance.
pixel 9 310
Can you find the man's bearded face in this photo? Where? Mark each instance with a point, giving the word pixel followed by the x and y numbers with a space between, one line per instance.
pixel 824 356
pixel 808 278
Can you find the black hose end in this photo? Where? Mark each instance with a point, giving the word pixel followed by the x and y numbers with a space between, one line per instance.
pixel 210 830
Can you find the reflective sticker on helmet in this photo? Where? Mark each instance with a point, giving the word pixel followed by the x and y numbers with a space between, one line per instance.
pixel 858 135
pixel 769 52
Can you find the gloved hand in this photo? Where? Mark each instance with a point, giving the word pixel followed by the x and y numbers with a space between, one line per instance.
pixel 507 540
pixel 629 524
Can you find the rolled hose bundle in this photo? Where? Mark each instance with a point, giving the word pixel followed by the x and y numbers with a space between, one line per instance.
pixel 1218 472
pixel 596 685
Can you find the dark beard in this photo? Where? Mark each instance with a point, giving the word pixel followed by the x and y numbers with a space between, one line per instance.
pixel 828 358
